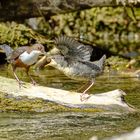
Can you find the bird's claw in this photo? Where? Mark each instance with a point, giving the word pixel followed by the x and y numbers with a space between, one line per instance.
pixel 22 84
pixel 84 97
pixel 34 83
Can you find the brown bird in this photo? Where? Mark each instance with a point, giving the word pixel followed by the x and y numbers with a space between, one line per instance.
pixel 24 57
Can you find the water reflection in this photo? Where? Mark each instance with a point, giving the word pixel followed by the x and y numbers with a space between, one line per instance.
pixel 64 125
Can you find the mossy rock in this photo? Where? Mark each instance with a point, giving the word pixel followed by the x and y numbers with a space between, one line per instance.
pixel 17 35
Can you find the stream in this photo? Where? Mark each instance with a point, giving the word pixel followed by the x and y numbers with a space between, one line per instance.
pixel 72 125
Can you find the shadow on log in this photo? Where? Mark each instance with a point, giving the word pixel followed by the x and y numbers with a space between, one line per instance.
pixel 109 101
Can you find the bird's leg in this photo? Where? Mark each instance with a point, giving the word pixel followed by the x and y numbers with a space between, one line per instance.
pixel 84 93
pixel 83 87
pixel 32 80
pixel 19 82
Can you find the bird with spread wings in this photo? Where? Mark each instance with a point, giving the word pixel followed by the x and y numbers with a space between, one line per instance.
pixel 73 59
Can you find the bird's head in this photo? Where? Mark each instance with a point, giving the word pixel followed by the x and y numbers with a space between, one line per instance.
pixel 39 48
pixel 56 60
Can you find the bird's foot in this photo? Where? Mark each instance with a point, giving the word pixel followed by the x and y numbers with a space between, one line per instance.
pixel 21 84
pixel 34 82
pixel 84 97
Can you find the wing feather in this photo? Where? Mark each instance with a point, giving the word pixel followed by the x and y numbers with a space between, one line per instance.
pixel 16 53
pixel 72 48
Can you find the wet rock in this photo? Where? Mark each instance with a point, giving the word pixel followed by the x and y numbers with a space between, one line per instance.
pixel 134 135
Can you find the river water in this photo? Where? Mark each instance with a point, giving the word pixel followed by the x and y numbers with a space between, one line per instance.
pixel 72 125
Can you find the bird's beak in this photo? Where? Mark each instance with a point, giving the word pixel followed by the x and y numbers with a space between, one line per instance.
pixel 44 53
pixel 42 62
pixel 47 54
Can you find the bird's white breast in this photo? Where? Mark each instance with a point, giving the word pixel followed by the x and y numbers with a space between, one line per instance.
pixel 29 58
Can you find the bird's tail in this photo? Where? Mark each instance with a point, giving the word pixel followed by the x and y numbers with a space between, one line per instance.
pixel 101 63
pixel 7 49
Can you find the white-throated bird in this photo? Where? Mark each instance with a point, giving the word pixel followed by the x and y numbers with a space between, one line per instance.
pixel 24 56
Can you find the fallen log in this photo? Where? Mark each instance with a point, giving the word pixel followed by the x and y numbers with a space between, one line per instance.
pixel 21 9
pixel 112 100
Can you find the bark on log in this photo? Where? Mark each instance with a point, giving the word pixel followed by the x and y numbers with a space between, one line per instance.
pixel 21 9
pixel 112 100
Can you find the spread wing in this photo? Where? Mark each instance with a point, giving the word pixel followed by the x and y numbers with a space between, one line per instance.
pixel 16 53
pixel 71 48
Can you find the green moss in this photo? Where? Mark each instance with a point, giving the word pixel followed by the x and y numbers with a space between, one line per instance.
pixel 18 35
pixel 117 63
pixel 23 104
pixel 102 26
pixel 113 28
